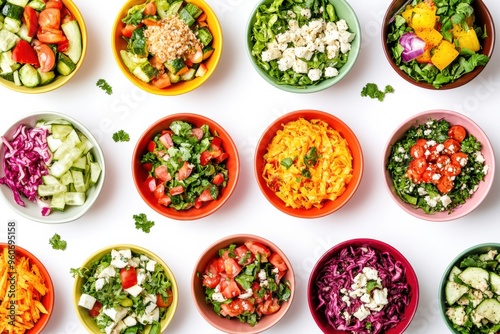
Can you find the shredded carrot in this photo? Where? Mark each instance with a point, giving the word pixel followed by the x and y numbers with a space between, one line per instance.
pixel 302 183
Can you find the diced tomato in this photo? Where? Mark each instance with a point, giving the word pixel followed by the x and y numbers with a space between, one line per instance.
pixel 162 81
pixel 232 267
pixel 202 17
pixel 451 146
pixel 150 9
pixel 23 53
pixel 184 171
pixel 433 153
pixel 46 57
pixel 413 175
pixel 147 166
pixel 161 302
pixel 95 310
pixel 237 307
pixel 431 174
pixel 128 277
pixel 215 151
pixel 63 46
pixel 31 20
pixel 442 161
pixel 222 157
pixel 217 142
pixel 198 203
pixel 198 133
pixel 159 191
pixel 256 293
pixel 270 306
pixel 205 158
pixel 151 183
pixel 445 185
pixel 243 255
pixel 166 140
pixel 50 36
pixel 457 132
pixel 176 190
pixel 54 4
pixel 151 146
pixel 162 173
pixel 50 18
pixel 422 142
pixel 258 248
pixel 66 15
pixel 229 288
pixel 461 158
pixel 452 169
pixel 277 261
pixel 417 151
pixel 165 200
pixel 419 165
pixel 218 179
pixel 128 30
pixel 206 196
pixel 212 277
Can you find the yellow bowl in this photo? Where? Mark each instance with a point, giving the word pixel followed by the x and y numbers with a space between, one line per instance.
pixel 60 80
pixel 87 321
pixel 118 43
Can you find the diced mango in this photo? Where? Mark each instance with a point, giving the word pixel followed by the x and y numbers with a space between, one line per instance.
pixel 457 29
pixel 444 54
pixel 432 37
pixel 407 14
pixel 424 16
pixel 425 57
pixel 468 39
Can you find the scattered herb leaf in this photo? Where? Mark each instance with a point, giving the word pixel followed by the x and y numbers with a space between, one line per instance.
pixel 57 243
pixel 287 162
pixel 371 90
pixel 142 223
pixel 101 83
pixel 121 136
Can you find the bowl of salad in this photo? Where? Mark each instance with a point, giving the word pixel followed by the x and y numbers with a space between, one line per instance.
pixel 439 165
pixel 308 163
pixel 243 283
pixel 167 47
pixel 435 45
pixel 363 286
pixel 303 46
pixel 124 287
pixel 42 45
pixel 32 287
pixel 185 166
pixel 469 290
pixel 52 168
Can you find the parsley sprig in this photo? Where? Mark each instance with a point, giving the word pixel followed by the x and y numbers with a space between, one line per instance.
pixel 371 90
pixel 121 136
pixel 57 243
pixel 142 223
pixel 101 83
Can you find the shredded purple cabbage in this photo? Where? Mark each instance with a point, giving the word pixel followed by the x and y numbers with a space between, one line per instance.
pixel 25 162
pixel 339 273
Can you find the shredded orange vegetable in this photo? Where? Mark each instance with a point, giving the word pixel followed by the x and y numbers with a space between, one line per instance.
pixel 299 180
pixel 21 288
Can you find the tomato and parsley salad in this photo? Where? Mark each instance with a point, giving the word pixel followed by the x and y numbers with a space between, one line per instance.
pixel 436 166
pixel 39 41
pixel 125 291
pixel 246 282
pixel 186 165
pixel 436 41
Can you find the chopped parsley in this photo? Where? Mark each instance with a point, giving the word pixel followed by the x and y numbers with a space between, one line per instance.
pixel 371 90
pixel 142 223
pixel 57 243
pixel 121 136
pixel 287 162
pixel 101 83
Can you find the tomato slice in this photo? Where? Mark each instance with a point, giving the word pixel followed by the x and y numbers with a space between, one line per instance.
pixel 229 288
pixel 205 158
pixel 151 183
pixel 166 140
pixel 258 248
pixel 165 200
pixel 218 179
pixel 46 57
pixel 184 171
pixel 23 53
pixel 198 133
pixel 150 9
pixel 216 141
pixel 222 157
pixel 461 158
pixel 243 255
pixel 63 46
pixel 95 310
pixel 232 268
pixel 159 191
pixel 206 196
pixel 129 277
pixel 162 173
pixel 445 185
pixel 161 302
pixel 151 146
pixel 417 151
pixel 277 261
pixel 50 18
pixel 50 36
pixel 162 81
pixel 31 20
pixel 270 306
pixel 176 190
pixel 451 146
pixel 212 276
pixel 457 132
pixel 128 30
pixel 57 4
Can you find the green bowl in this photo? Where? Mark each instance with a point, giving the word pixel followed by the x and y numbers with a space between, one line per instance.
pixel 343 11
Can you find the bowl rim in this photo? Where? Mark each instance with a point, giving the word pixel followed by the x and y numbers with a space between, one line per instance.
pixel 216 30
pixel 97 152
pixel 138 249
pixel 228 191
pixel 49 299
pixel 424 85
pixel 381 246
pixel 441 216
pixel 213 248
pixel 324 84
pixel 357 170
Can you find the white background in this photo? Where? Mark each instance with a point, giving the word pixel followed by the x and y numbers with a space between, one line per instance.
pixel 241 101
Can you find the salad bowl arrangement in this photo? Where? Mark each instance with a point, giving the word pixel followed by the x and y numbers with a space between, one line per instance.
pixel 185 166
pixel 439 165
pixel 243 283
pixel 28 63
pixel 157 61
pixel 283 164
pixel 434 45
pixel 303 47
pixel 358 285
pixel 52 168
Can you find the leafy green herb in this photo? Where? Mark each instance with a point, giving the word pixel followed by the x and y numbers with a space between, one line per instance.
pixel 311 157
pixel 371 285
pixel 78 272
pixel 306 173
pixel 371 90
pixel 142 223
pixel 57 243
pixel 121 136
pixel 134 15
pixel 287 163
pixel 101 83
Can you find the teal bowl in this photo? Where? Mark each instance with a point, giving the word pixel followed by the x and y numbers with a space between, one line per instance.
pixel 343 11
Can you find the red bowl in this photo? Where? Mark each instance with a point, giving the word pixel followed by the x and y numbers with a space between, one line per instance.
pixel 48 299
pixel 328 206
pixel 411 279
pixel 140 174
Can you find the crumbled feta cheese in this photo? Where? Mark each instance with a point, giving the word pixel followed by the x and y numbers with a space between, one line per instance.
pixel 479 157
pixel 134 290
pixel 427 132
pixel 421 191
pixel 432 202
pixel 109 271
pixel 314 74
pixel 370 273
pixel 431 143
pixel 116 314
pixel 305 12
pixel 445 200
pixel 86 301
pixel 248 293
pixel 151 265
pixel 270 54
pixel 439 147
pixel 361 313
pixel 99 283
pixel 331 72
pixel 262 274
pixel 486 168
pixel 218 297
pixel 130 321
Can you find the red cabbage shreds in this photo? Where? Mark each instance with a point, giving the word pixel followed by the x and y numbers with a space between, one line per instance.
pixel 338 300
pixel 25 162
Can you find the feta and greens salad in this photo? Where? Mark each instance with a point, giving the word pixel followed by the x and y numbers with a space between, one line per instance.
pixel 472 294
pixel 125 292
pixel 436 166
pixel 300 43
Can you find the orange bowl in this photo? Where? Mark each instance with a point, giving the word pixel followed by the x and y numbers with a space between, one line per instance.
pixel 235 325
pixel 140 174
pixel 48 299
pixel 328 206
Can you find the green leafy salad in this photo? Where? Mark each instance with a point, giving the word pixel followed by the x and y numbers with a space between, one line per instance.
pixel 125 292
pixel 300 43
pixel 436 166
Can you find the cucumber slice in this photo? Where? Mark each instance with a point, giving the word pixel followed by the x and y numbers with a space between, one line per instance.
pixel 174 8
pixel 57 202
pixel 78 181
pixel 7 40
pixel 29 76
pixel 13 25
pixel 495 282
pixel 80 163
pixel 86 144
pixel 189 75
pixel 20 3
pixel 72 31
pixel 64 64
pixel 477 278
pixel 66 178
pixel 454 291
pixel 95 172
pixel 46 77
pixel 61 131
pixel 454 273
pixel 45 190
pixel 74 198
pixel 490 309
pixel 37 5
pixel 49 179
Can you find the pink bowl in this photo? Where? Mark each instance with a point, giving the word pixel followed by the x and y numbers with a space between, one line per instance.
pixel 487 151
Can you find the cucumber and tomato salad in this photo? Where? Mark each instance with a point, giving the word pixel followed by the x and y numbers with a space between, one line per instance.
pixel 246 282
pixel 39 41
pixel 186 165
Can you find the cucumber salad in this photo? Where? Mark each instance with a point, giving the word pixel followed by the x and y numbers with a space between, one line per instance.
pixel 472 294
pixel 300 43
pixel 50 164
pixel 436 166
pixel 125 292
pixel 39 41
pixel 168 42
